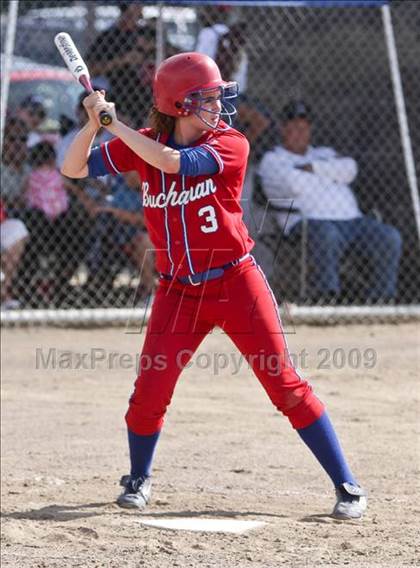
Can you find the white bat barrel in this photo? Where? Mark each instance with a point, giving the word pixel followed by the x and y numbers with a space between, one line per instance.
pixel 77 67
pixel 71 55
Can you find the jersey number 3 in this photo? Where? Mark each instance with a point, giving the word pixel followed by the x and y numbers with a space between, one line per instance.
pixel 210 218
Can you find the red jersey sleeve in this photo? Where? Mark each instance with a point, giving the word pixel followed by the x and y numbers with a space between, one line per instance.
pixel 119 158
pixel 230 150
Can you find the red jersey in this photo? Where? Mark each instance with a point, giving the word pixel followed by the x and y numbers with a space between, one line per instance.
pixel 194 223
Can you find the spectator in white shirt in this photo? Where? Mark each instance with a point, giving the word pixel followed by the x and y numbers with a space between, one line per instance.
pixel 316 180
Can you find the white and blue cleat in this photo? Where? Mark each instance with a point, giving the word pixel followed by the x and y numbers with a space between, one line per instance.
pixel 137 492
pixel 351 502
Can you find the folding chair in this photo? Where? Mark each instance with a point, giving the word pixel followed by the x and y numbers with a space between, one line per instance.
pixel 274 250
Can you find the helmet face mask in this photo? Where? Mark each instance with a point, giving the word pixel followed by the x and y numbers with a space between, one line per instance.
pixel 195 103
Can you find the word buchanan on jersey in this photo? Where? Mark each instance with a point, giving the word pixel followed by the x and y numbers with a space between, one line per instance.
pixel 173 197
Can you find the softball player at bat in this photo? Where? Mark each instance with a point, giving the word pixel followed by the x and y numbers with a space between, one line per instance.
pixel 192 166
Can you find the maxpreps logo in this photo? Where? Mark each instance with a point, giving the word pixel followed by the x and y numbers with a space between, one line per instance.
pixel 174 197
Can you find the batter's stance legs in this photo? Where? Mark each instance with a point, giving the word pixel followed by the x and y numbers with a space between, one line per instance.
pixel 259 336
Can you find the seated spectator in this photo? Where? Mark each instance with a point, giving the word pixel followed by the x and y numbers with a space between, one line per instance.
pixel 13 238
pixel 54 228
pixel 45 186
pixel 317 181
pixel 14 167
pixel 33 112
pixel 120 230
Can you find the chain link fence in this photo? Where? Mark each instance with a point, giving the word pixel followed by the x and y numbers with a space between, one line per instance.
pixel 328 197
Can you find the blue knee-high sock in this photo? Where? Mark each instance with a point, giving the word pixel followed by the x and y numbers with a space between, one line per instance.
pixel 322 440
pixel 142 449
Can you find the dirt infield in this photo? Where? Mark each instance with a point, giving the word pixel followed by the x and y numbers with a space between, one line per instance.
pixel 224 453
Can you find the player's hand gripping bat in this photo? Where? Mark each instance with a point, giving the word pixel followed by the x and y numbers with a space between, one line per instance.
pixel 78 68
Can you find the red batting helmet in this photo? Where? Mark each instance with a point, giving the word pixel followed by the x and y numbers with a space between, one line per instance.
pixel 181 81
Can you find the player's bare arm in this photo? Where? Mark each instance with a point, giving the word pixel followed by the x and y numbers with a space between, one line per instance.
pixel 154 153
pixel 158 155
pixel 75 161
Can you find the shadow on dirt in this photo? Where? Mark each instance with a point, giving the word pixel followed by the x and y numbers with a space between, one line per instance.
pixel 60 513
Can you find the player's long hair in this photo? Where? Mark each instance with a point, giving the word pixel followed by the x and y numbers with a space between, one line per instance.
pixel 161 123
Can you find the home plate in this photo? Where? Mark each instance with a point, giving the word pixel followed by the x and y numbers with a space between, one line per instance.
pixel 203 525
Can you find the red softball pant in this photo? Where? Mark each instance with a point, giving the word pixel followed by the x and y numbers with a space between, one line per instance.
pixel 242 304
